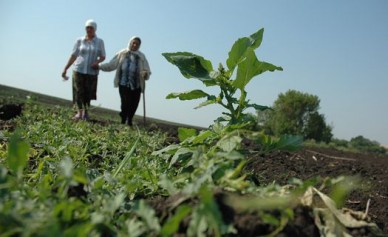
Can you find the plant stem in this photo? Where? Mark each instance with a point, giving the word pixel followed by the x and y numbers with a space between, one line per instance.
pixel 241 106
pixel 229 104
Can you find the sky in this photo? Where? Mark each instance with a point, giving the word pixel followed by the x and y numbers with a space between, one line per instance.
pixel 336 50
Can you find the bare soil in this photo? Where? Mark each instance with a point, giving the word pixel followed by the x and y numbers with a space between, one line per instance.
pixel 280 167
pixel 312 162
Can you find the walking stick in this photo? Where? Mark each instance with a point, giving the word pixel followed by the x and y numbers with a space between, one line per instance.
pixel 144 108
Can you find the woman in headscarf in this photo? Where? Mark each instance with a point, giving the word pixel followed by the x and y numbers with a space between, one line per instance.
pixel 88 52
pixel 132 70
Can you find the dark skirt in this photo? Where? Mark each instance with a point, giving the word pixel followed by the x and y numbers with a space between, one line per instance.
pixel 84 89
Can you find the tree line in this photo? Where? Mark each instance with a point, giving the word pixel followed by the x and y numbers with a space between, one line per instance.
pixel 297 113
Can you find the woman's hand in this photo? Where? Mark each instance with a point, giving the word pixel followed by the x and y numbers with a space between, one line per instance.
pixel 144 75
pixel 95 66
pixel 64 77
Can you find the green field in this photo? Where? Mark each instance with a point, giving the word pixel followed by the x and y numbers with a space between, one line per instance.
pixel 64 178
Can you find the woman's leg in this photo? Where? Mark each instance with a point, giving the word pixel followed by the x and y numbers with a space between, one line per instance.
pixel 90 93
pixel 124 96
pixel 133 104
pixel 79 93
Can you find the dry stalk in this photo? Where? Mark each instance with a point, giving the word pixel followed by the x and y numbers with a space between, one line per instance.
pixel 332 157
pixel 367 209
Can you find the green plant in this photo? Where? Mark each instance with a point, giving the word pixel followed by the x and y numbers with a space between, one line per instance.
pixel 242 58
pixel 60 178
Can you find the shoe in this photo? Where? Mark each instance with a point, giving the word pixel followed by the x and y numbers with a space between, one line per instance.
pixel 85 117
pixel 123 119
pixel 78 116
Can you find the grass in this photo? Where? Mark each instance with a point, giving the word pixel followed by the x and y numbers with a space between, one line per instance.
pixel 16 96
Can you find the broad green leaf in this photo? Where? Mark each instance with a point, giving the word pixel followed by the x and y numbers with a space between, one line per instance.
pixel 237 53
pixel 17 153
pixel 80 177
pixel 240 47
pixel 202 136
pixel 269 219
pixel 184 133
pixel 342 187
pixel 258 107
pixel 224 118
pixel 284 143
pixel 250 68
pixel 78 229
pixel 171 149
pixel 218 128
pixel 67 167
pixel 209 210
pixel 198 224
pixel 233 155
pixel 167 184
pixel 289 143
pixel 191 65
pixel 188 95
pixel 113 204
pixel 148 215
pixel 229 144
pixel 181 153
pixel 251 203
pixel 172 225
pixel 238 126
pixel 136 228
pixel 205 103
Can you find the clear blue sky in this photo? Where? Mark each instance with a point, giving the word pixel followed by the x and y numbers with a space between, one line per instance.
pixel 336 50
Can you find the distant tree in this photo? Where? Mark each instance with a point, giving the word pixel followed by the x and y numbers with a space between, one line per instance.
pixel 296 113
pixel 340 142
pixel 263 116
pixel 365 145
pixel 317 129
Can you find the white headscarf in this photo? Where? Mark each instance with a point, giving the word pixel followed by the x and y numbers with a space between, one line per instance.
pixel 132 38
pixel 91 23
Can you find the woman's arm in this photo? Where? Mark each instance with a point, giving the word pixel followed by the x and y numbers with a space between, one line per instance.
pixel 112 64
pixel 98 61
pixel 68 64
